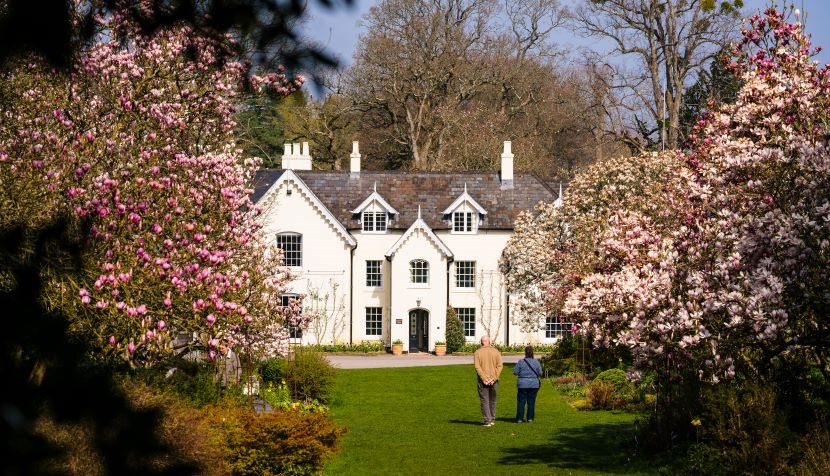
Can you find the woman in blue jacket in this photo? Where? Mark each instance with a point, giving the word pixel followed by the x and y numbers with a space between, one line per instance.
pixel 529 373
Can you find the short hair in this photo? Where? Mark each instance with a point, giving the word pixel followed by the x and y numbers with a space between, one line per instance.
pixel 529 352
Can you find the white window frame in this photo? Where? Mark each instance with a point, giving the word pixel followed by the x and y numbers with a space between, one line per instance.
pixel 555 329
pixel 419 272
pixel 374 321
pixel 464 222
pixel 376 274
pixel 374 221
pixel 291 257
pixel 468 277
pixel 295 333
pixel 468 320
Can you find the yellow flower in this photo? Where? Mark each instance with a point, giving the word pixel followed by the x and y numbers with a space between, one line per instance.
pixel 696 422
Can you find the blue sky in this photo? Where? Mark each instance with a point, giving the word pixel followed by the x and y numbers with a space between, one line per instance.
pixel 338 30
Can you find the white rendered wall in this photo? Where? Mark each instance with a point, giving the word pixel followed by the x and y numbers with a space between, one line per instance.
pixel 326 259
pixel 405 295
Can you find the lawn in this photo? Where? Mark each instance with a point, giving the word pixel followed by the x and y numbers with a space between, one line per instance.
pixel 426 421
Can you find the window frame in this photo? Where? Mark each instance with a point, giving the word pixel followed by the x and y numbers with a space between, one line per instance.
pixel 373 276
pixel 375 325
pixel 294 332
pixel 464 222
pixel 469 276
pixel 419 272
pixel 467 315
pixel 293 258
pixel 377 220
pixel 555 329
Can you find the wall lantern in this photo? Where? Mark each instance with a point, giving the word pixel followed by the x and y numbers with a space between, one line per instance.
pixel 418 302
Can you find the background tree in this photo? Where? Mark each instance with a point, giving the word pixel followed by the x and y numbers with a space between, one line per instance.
pixel 671 42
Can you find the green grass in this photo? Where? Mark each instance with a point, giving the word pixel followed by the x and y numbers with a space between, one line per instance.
pixel 426 421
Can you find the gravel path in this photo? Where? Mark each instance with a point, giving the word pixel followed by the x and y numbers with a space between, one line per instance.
pixel 377 361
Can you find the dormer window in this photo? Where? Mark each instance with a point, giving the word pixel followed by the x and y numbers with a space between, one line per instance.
pixel 464 214
pixel 463 222
pixel 374 221
pixel 374 213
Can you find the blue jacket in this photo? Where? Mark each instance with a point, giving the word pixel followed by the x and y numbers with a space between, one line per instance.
pixel 528 371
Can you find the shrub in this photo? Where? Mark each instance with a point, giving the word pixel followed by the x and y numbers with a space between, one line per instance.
pixel 365 347
pixel 276 443
pixel 309 376
pixel 271 370
pixel 601 395
pixel 581 404
pixel 615 377
pixel 741 431
pixel 183 431
pixel 816 452
pixel 454 331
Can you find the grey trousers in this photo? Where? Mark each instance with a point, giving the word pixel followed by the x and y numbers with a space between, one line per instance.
pixel 487 396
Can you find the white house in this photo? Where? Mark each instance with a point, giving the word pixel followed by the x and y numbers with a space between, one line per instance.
pixel 380 255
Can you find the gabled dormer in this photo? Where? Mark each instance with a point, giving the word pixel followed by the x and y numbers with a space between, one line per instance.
pixel 374 213
pixel 465 214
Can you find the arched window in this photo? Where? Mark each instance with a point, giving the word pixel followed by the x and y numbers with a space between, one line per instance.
pixel 291 245
pixel 418 272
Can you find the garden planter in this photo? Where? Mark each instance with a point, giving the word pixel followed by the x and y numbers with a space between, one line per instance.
pixel 397 349
pixel 440 349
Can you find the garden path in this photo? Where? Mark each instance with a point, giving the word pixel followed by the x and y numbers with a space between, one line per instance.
pixel 377 361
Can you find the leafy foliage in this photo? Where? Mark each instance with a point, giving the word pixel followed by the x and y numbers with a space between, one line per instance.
pixel 277 443
pixel 454 329
pixel 309 375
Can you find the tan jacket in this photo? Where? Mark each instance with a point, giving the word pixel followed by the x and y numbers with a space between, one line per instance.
pixel 488 363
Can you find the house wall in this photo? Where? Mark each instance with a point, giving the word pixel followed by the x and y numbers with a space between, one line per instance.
pixel 371 247
pixel 406 295
pixel 325 277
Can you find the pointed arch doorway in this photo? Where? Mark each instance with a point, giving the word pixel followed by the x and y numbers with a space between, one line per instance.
pixel 418 330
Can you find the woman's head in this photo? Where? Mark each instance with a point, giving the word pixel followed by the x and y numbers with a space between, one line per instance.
pixel 529 352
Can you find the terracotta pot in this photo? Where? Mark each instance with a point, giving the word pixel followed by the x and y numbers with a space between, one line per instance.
pixel 397 349
pixel 440 349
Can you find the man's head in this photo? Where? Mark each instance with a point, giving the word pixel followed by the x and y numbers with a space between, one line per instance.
pixel 485 341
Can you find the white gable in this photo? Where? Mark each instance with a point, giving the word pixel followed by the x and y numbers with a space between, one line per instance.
pixel 290 177
pixel 461 200
pixel 421 225
pixel 375 197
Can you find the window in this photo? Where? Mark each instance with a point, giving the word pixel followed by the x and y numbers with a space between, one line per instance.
pixel 374 221
pixel 468 318
pixel 294 332
pixel 418 272
pixel 465 274
pixel 554 328
pixel 374 321
pixel 462 222
pixel 291 245
pixel 374 274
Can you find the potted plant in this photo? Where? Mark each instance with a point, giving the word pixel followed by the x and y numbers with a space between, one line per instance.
pixel 397 347
pixel 440 348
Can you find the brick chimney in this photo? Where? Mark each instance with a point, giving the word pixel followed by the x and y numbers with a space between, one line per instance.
pixel 296 156
pixel 507 166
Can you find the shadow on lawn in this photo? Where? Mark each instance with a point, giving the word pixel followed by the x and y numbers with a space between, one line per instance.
pixel 466 422
pixel 603 447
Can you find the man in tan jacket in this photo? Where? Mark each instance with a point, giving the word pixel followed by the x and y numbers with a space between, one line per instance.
pixel 488 367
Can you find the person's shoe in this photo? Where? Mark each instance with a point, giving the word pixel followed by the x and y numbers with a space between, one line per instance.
pixel 490 423
pixel 530 421
pixel 518 421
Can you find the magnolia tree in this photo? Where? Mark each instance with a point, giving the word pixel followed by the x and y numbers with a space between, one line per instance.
pixel 553 249
pixel 134 144
pixel 739 276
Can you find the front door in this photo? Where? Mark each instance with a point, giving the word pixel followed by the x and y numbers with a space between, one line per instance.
pixel 418 330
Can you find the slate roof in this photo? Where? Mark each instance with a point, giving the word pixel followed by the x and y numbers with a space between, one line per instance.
pixel 405 191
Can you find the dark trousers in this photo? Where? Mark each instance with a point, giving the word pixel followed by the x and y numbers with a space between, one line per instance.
pixel 487 395
pixel 526 396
